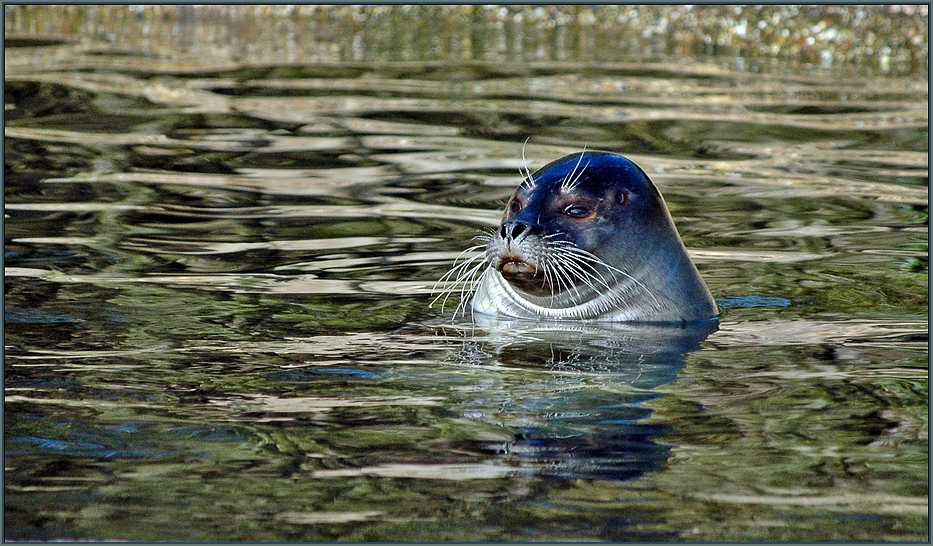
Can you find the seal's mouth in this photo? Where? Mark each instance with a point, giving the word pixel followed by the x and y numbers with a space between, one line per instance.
pixel 525 276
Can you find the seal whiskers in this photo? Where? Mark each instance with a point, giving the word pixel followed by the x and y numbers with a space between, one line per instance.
pixel 568 266
pixel 570 181
pixel 589 258
pixel 464 275
pixel 527 177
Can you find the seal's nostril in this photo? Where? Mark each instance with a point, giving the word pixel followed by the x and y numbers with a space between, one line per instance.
pixel 514 231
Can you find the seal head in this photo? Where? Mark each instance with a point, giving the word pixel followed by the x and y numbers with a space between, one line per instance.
pixel 588 237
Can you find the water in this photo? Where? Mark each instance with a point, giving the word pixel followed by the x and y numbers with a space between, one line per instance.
pixel 218 278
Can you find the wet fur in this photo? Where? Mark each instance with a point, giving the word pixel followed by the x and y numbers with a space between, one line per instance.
pixel 576 284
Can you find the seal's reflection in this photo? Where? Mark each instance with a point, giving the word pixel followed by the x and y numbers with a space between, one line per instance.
pixel 573 396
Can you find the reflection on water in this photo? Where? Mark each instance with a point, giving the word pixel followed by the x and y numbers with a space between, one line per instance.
pixel 218 275
pixel 580 411
pixel 881 39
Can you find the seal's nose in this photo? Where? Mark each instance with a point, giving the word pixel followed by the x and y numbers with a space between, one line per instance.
pixel 514 230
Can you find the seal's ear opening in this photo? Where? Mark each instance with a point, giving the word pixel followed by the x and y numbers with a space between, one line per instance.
pixel 620 197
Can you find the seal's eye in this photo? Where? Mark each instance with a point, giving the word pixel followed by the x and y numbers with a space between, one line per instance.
pixel 515 205
pixel 576 211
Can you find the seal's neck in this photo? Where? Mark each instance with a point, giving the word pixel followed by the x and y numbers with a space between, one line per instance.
pixel 626 300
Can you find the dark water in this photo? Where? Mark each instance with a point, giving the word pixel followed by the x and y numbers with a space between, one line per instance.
pixel 217 323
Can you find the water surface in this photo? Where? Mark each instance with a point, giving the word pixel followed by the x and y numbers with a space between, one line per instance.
pixel 218 278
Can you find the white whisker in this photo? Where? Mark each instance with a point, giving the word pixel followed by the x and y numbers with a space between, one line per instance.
pixel 460 276
pixel 598 261
pixel 575 181
pixel 570 181
pixel 457 265
pixel 467 287
pixel 526 174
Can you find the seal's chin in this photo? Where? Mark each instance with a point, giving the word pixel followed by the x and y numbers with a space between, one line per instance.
pixel 525 277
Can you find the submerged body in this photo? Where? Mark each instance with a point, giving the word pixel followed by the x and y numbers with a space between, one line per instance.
pixel 588 237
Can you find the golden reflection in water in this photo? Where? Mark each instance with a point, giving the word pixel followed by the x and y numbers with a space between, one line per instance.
pixel 883 38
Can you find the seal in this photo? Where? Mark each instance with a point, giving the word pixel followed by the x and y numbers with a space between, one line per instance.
pixel 586 237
